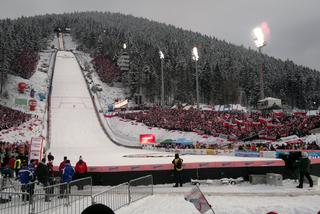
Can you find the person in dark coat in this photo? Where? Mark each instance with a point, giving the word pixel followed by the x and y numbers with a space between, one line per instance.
pixel 177 169
pixel 51 176
pixel 50 157
pixel 304 169
pixel 42 173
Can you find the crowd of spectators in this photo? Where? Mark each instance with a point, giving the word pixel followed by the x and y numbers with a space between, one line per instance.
pixel 236 125
pixel 12 155
pixel 10 117
pixel 258 147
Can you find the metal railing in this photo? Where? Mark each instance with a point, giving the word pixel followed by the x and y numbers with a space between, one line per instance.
pixel 140 188
pixel 70 198
pixel 115 197
pixel 63 197
pixel 14 203
pixel 125 193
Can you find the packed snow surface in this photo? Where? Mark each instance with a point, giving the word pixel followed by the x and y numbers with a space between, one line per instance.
pixel 75 129
pixel 242 198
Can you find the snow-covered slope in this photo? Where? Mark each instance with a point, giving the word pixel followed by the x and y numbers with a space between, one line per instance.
pixel 76 130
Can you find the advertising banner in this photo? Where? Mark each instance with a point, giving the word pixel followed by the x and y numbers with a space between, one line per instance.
pixel 121 104
pixel 36 148
pixel 246 154
pixel 146 139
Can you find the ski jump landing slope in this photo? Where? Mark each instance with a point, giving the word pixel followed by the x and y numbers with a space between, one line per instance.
pixel 75 131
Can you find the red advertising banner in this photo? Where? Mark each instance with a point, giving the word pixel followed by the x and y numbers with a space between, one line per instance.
pixel 147 139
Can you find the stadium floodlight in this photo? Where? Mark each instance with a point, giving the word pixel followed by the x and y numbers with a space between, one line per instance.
pixel 162 80
pixel 259 37
pixel 195 57
pixel 259 40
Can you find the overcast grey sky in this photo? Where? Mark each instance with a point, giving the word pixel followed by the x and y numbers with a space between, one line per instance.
pixel 294 24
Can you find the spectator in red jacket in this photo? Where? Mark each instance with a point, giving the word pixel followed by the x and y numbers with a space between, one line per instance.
pixel 62 164
pixel 81 171
pixel 11 162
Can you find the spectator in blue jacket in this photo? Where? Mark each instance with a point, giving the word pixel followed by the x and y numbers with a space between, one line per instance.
pixel 66 177
pixel 26 177
pixel 67 172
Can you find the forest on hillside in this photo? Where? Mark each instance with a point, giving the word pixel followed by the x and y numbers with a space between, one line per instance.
pixel 227 73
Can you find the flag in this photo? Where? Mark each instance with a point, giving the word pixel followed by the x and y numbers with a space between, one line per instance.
pixel 197 198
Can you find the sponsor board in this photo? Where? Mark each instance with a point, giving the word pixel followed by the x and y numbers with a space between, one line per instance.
pixel 246 154
pixel 147 139
pixel 159 167
pixel 36 148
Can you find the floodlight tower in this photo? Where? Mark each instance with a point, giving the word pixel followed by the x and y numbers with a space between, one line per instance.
pixel 195 57
pixel 260 43
pixel 162 80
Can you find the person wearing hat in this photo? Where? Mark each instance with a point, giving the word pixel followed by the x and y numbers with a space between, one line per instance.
pixel 17 166
pixel 177 169
pixel 43 174
pixel 25 177
pixel 50 157
pixel 66 177
pixel 304 169
pixel 81 170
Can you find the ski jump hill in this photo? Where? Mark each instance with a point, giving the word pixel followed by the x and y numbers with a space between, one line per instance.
pixel 76 128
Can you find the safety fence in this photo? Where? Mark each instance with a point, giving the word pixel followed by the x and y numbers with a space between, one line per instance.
pixel 125 193
pixel 63 197
pixel 71 198
pixel 14 203
pixel 140 188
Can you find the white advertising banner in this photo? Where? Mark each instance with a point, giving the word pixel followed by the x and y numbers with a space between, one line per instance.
pixel 121 104
pixel 36 148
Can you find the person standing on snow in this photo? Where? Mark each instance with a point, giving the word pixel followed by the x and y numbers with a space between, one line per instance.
pixel 17 166
pixel 62 164
pixel 50 157
pixel 67 174
pixel 25 177
pixel 177 168
pixel 81 170
pixel 42 173
pixel 304 170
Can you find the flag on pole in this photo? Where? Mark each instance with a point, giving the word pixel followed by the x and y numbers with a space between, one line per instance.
pixel 197 198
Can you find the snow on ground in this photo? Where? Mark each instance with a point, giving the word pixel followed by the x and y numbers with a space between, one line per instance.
pixel 109 93
pixel 131 130
pixel 242 198
pixel 76 130
pixel 69 44
pixel 172 204
pixel 127 128
pixel 39 81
